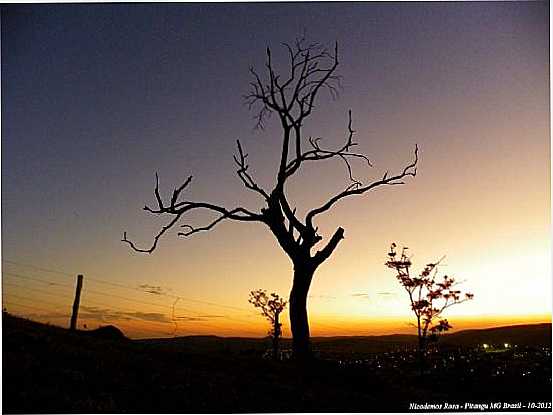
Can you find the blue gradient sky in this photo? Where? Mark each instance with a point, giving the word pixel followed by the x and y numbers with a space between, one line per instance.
pixel 98 97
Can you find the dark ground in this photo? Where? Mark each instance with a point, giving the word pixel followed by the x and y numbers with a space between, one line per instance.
pixel 49 369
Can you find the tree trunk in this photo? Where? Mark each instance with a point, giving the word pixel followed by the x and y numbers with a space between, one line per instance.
pixel 298 311
pixel 422 354
pixel 276 337
pixel 275 348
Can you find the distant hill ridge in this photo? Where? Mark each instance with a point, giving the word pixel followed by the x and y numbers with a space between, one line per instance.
pixel 520 329
pixel 522 335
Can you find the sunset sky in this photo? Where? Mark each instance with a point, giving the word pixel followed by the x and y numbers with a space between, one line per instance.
pixel 96 98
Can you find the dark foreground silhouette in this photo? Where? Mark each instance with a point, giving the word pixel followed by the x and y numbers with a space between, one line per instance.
pixel 50 369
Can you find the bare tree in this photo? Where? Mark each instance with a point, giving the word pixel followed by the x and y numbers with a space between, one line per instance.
pixel 428 297
pixel 291 96
pixel 271 306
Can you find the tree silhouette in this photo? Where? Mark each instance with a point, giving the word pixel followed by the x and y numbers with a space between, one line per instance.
pixel 291 96
pixel 429 297
pixel 271 306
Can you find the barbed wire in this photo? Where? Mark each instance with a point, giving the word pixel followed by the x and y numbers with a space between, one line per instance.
pixel 55 315
pixel 175 320
pixel 89 291
pixel 104 281
pixel 37 300
pixel 87 302
pixel 37 267
pixel 46 292
pixel 36 308
pixel 16 275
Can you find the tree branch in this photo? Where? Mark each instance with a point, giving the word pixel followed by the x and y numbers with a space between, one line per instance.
pixel 318 153
pixel 409 170
pixel 156 238
pixel 177 209
pixel 324 253
pixel 293 99
pixel 242 172
pixel 231 214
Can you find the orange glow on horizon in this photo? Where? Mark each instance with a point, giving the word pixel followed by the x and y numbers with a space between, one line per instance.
pixel 469 88
pixel 255 326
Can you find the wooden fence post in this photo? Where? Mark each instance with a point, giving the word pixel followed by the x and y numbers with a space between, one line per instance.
pixel 76 302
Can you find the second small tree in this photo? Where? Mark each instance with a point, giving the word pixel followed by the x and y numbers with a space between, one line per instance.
pixel 271 306
pixel 428 297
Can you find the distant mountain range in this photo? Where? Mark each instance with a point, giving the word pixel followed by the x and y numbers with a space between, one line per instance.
pixel 521 335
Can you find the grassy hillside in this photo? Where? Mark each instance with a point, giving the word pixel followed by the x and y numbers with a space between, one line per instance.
pixel 49 369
